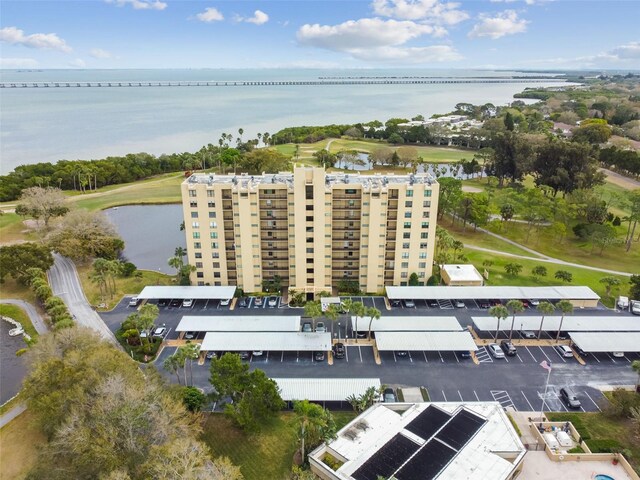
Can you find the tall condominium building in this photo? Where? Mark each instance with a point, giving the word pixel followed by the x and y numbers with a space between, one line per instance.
pixel 310 229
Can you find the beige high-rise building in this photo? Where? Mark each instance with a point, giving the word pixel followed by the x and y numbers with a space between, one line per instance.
pixel 310 229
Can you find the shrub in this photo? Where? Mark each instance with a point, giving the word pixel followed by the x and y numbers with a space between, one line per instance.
pixel 128 269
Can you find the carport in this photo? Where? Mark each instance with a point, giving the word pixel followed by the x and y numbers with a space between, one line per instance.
pixel 326 301
pixel 578 296
pixel 324 389
pixel 552 323
pixel 180 292
pixel 239 323
pixel 407 324
pixel 607 341
pixel 266 341
pixel 426 341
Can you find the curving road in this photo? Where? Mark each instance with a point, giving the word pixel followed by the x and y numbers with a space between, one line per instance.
pixel 65 283
pixel 38 322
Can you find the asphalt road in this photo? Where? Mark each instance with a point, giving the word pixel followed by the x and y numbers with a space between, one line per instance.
pixel 38 322
pixel 64 281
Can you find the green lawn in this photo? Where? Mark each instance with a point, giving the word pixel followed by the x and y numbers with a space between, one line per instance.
pixel 19 315
pixel 20 442
pixel 12 229
pixel 265 455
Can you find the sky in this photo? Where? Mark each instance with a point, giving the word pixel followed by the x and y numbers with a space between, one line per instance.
pixel 502 34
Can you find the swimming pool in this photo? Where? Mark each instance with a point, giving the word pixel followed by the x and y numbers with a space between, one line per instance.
pixel 601 476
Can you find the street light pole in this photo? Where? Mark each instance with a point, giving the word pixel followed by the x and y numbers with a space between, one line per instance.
pixel 546 366
pixel 339 331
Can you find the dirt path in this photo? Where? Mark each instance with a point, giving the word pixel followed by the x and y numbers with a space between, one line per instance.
pixel 620 180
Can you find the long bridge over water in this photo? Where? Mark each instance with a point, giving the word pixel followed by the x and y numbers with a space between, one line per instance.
pixel 243 83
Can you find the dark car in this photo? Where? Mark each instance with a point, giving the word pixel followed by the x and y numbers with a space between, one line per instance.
pixel 258 301
pixel 210 355
pixel 389 395
pixel 432 303
pixel 318 356
pixel 163 302
pixel 244 355
pixel 409 304
pixel 244 302
pixel 484 303
pixel 176 303
pixel 580 352
pixel 508 348
pixel 396 303
pixel 339 350
pixel 495 302
pixel 464 354
pixel 402 353
pixel 569 397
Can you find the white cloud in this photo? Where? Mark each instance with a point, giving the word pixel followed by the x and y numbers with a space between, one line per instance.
pixel 433 11
pixel 18 63
pixel 629 51
pixel 101 54
pixel 361 34
pixel 78 62
pixel 620 56
pixel 259 18
pixel 48 41
pixel 210 15
pixel 140 4
pixel 504 23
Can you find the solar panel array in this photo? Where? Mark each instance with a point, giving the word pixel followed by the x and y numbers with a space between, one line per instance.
pixel 445 436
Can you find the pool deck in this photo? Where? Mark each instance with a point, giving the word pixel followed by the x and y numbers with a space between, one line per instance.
pixel 537 466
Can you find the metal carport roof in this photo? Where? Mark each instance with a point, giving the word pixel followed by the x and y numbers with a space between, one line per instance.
pixel 468 293
pixel 187 292
pixel 408 324
pixel 607 341
pixel 570 323
pixel 239 323
pixel 267 341
pixel 324 389
pixel 429 341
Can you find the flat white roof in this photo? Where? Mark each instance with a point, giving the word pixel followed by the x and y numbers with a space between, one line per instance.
pixel 324 389
pixel 474 461
pixel 326 301
pixel 187 292
pixel 407 324
pixel 607 341
pixel 267 341
pixel 462 273
pixel 570 323
pixel 428 341
pixel 240 323
pixel 467 293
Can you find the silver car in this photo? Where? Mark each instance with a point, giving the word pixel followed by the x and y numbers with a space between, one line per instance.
pixel 495 350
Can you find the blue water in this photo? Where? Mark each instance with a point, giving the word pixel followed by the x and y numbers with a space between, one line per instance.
pixel 70 123
pixel 603 477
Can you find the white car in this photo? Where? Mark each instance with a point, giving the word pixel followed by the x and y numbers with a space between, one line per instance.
pixel 617 354
pixel 564 351
pixel 534 302
pixel 187 303
pixel 159 332
pixel 225 303
pixel 257 353
pixel 495 350
pixel 528 334
pixel 133 302
pixel 458 304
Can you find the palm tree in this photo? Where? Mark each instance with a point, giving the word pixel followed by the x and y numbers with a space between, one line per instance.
pixel 240 132
pixel 565 306
pixel 374 314
pixel 545 308
pixel 332 313
pixel 500 312
pixel 180 252
pixel 313 310
pixel 516 306
pixel 313 420
pixel 191 351
pixel 170 364
pixel 357 308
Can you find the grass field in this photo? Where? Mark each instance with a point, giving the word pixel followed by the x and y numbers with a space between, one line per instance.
pixel 265 455
pixel 20 442
pixel 19 315
pixel 12 229
pixel 12 289
pixel 124 286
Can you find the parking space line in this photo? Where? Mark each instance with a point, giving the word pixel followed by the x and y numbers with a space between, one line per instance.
pixel 625 357
pixel 455 355
pixel 425 356
pixel 561 357
pixel 282 356
pixel 445 397
pixel 460 395
pixel 373 300
pixel 506 359
pixel 534 358
pixel 394 356
pixel 477 398
pixel 477 306
pixel 595 356
pixel 519 358
pixel 360 352
pixel 612 359
pixel 592 401
pixel 346 353
pixel 528 402
pixel 410 358
pixel 545 355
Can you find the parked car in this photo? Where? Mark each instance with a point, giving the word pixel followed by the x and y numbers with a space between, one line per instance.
pixel 564 351
pixel 508 348
pixel 257 353
pixel 176 302
pixel 159 332
pixel 569 397
pixel 458 304
pixel 432 303
pixel 163 302
pixel 525 303
pixel 225 302
pixel 133 302
pixel 339 350
pixel 528 334
pixel 464 354
pixel 318 356
pixel 307 327
pixel 409 304
pixel 187 303
pixel 258 301
pixel 273 302
pixel 484 303
pixel 495 350
pixel 395 303
pixel 635 307
pixel 617 354
pixel 495 302
pixel 320 328
pixel 389 396
pixel 623 302
pixel 534 302
pixel 244 355
pixel 190 335
pixel 580 352
pixel 402 354
pixel 244 302
pixel 210 354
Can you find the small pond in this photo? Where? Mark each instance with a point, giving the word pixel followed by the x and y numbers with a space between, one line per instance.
pixel 151 234
pixel 12 368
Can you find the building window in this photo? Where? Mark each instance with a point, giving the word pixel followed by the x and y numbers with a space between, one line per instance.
pixel 405 255
pixel 407 215
pixel 421 275
pixel 195 224
pixel 423 255
pixel 193 193
pixel 427 193
pixel 215 255
pixel 425 224
pixel 407 224
pixel 196 234
pixel 269 213
pixel 214 244
pixel 404 275
pixel 200 283
pixel 216 264
pixel 406 235
pixel 213 224
pixel 423 244
pixel 212 214
pixel 216 274
pixel 198 255
pixel 197 245
pixel 425 214
pixel 210 193
pixel 350 191
pixel 427 203
pixel 409 193
pixel 211 204
pixel 309 250
pixel 193 204
pixel 408 204
pixel 213 234
pixel 308 192
pixel 424 235
pixel 352 203
pixel 194 214
pixel 200 275
pixel 405 245
pixel 422 265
